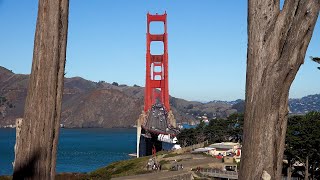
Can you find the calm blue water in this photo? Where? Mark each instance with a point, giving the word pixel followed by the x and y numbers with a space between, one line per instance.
pixel 79 150
pixel 187 126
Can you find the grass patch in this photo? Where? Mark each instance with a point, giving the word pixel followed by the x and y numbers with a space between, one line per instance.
pixel 162 162
pixel 162 153
pixel 121 168
pixel 170 155
pixel 5 177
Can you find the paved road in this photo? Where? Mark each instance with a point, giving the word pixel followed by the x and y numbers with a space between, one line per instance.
pixel 155 175
pixel 187 164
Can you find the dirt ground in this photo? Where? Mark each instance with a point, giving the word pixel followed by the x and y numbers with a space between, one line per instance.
pixel 189 162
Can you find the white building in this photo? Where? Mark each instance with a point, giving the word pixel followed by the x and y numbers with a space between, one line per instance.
pixel 224 148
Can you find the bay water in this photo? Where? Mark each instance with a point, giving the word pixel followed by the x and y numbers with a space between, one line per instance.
pixel 79 150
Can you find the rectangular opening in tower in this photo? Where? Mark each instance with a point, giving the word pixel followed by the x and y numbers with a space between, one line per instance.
pixel 157 68
pixel 156 48
pixel 157 77
pixel 156 27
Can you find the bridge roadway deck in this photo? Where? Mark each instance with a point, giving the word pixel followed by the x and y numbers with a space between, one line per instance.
pixel 157 121
pixel 157 118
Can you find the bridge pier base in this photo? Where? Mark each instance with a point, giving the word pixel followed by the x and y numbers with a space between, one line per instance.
pixel 172 120
pixel 142 119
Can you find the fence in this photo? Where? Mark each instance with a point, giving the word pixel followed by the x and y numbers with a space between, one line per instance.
pixel 219 174
pixel 229 174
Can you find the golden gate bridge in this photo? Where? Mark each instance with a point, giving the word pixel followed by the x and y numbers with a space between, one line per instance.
pixel 156 126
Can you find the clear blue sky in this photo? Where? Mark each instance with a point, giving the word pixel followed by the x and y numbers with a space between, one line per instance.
pixel 106 41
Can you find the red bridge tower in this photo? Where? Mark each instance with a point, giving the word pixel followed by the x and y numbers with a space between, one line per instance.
pixel 157 87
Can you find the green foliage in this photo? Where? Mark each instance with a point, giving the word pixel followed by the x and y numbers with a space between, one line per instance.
pixel 217 130
pixel 2 100
pixel 187 137
pixel 303 140
pixel 235 126
pixel 115 84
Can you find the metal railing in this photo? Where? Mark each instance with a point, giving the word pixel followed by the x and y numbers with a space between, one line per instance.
pixel 219 173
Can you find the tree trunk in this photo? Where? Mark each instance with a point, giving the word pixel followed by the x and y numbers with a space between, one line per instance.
pixel 289 171
pixel 36 153
pixel 277 43
pixel 313 169
pixel 306 171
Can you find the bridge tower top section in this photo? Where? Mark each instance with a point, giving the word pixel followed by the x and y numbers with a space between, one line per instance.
pixel 157 87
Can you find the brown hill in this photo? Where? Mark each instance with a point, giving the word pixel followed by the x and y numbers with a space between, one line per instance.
pixel 101 108
pixel 96 104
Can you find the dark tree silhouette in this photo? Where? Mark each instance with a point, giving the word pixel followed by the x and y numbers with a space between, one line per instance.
pixel 316 59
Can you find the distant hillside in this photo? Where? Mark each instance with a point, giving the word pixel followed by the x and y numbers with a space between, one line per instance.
pixel 101 104
pixel 305 104
pixel 98 104
pixel 296 106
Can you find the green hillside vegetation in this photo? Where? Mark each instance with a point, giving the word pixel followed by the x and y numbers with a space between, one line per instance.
pixel 121 168
pixel 218 130
pixel 302 138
